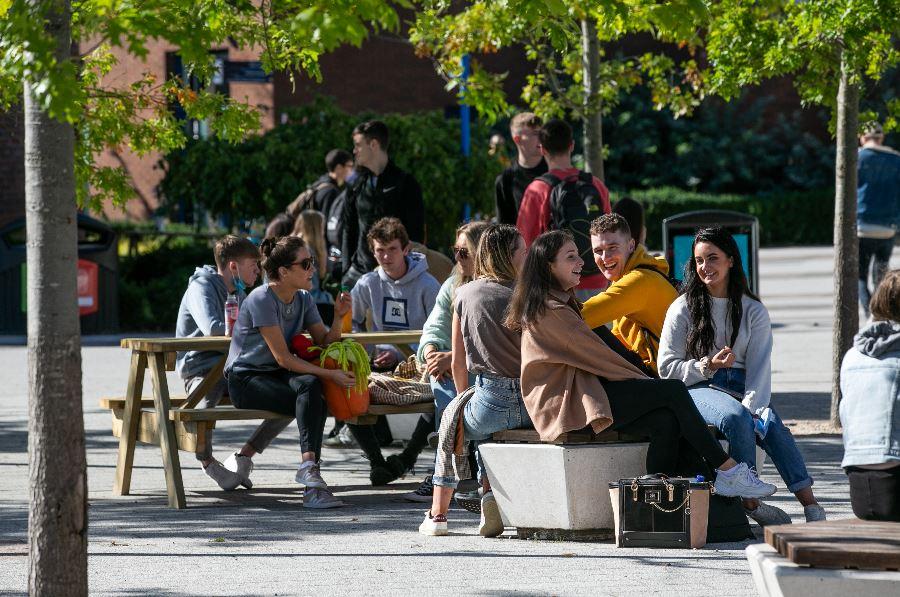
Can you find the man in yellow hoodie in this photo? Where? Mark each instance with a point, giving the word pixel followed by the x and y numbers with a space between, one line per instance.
pixel 640 291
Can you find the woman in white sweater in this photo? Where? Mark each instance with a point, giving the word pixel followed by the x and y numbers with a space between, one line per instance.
pixel 727 366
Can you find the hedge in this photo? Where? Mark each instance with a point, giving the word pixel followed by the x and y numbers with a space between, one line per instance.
pixel 786 218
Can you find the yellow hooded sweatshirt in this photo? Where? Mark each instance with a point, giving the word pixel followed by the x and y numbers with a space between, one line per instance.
pixel 636 303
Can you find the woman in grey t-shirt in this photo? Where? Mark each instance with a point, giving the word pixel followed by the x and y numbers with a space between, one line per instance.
pixel 263 374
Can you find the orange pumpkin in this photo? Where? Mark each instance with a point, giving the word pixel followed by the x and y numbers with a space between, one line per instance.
pixel 344 403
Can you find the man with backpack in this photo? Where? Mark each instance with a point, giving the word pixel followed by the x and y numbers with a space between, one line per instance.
pixel 640 291
pixel 322 195
pixel 565 198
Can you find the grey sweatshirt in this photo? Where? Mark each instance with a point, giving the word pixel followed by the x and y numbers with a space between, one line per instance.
pixel 402 304
pixel 752 349
pixel 201 313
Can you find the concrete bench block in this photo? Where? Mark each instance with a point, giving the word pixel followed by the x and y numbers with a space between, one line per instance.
pixel 545 486
pixel 776 576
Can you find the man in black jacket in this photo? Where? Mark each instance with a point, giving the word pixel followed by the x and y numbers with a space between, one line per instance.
pixel 381 190
pixel 512 182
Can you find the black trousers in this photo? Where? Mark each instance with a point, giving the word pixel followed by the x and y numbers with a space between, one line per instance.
pixel 367 438
pixel 875 495
pixel 287 393
pixel 663 410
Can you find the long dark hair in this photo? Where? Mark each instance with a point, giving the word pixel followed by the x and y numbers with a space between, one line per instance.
pixel 701 336
pixel 529 300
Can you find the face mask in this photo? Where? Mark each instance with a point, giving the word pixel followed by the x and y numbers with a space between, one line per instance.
pixel 350 177
pixel 238 282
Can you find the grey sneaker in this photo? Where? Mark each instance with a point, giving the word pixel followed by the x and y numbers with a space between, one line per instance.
pixel 766 515
pixel 320 498
pixel 491 523
pixel 225 478
pixel 742 481
pixel 309 476
pixel 814 513
pixel 242 466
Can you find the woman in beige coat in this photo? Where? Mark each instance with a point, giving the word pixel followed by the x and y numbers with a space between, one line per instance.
pixel 571 379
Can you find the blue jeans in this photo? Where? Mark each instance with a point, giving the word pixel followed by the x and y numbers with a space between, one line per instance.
pixel 496 405
pixel 735 422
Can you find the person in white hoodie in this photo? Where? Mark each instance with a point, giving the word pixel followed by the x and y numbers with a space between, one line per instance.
pixel 400 294
pixel 202 313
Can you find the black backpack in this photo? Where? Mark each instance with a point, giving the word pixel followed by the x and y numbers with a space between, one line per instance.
pixel 573 205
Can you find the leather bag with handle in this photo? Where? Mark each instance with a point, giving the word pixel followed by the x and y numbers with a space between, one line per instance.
pixel 660 511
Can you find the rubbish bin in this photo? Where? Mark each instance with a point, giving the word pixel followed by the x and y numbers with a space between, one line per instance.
pixel 98 277
pixel 678 236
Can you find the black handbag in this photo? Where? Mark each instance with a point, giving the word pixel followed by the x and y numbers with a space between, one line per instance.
pixel 660 511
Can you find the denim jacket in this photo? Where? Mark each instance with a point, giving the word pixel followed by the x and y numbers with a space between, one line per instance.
pixel 878 187
pixel 870 407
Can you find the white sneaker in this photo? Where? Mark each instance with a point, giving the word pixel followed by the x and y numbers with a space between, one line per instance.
pixel 814 513
pixel 320 498
pixel 308 475
pixel 434 526
pixel 491 523
pixel 225 478
pixel 766 515
pixel 742 481
pixel 243 466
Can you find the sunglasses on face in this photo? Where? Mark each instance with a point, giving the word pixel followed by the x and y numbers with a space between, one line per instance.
pixel 307 264
pixel 461 252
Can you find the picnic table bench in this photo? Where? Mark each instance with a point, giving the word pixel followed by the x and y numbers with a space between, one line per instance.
pixel 176 423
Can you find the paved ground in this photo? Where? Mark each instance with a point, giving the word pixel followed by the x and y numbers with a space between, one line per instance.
pixel 262 542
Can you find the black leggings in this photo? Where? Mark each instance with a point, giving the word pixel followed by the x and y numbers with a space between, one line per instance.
pixel 874 494
pixel 287 393
pixel 663 410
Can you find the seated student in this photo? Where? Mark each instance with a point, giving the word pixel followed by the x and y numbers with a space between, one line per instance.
pixel 639 293
pixel 400 294
pixel 870 408
pixel 310 226
pixel 703 347
pixel 435 346
pixel 484 346
pixel 261 371
pixel 202 313
pixel 571 379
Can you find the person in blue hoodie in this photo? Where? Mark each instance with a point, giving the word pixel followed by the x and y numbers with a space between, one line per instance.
pixel 400 294
pixel 870 408
pixel 877 208
pixel 202 313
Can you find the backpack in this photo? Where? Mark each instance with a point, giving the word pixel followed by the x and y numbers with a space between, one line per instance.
pixel 306 199
pixel 333 220
pixel 573 205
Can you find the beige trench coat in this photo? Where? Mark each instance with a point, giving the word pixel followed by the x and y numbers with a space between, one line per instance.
pixel 561 361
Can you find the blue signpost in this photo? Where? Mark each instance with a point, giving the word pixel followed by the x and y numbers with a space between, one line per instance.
pixel 465 126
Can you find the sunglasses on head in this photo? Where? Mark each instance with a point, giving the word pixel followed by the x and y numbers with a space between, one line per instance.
pixel 307 264
pixel 461 252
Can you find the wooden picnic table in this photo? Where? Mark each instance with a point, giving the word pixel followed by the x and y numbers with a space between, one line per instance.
pixel 158 355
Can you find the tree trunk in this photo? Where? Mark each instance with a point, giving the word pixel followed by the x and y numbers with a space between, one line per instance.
pixel 846 245
pixel 593 119
pixel 57 517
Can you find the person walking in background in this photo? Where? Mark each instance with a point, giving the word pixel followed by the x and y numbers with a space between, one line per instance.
pixel 511 183
pixel 717 339
pixel 870 408
pixel 877 208
pixel 202 313
pixel 565 198
pixel 381 190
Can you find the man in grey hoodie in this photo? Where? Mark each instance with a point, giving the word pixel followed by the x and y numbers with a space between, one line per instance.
pixel 202 313
pixel 400 294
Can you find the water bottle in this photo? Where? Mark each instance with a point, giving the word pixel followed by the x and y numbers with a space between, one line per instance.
pixel 231 313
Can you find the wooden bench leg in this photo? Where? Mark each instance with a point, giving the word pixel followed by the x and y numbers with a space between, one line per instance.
pixel 167 441
pixel 130 419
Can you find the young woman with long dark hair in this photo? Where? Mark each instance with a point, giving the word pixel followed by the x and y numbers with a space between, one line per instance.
pixel 571 379
pixel 261 371
pixel 717 335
